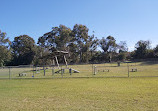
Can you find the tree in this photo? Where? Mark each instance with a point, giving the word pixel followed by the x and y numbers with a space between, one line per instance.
pixel 122 46
pixel 109 47
pixel 108 44
pixel 80 39
pixel 5 54
pixel 122 49
pixel 93 45
pixel 156 51
pixel 57 39
pixel 24 49
pixel 142 48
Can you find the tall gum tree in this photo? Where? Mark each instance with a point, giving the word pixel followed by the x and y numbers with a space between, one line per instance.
pixel 5 54
pixel 24 50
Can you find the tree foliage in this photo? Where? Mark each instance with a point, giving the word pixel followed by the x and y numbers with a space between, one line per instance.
pixel 81 46
pixel 23 50
pixel 142 48
pixel 5 54
pixel 57 39
pixel 109 47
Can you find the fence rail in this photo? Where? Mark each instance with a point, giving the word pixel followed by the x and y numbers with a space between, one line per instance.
pixel 88 70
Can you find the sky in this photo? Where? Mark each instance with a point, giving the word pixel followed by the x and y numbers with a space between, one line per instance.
pixel 125 20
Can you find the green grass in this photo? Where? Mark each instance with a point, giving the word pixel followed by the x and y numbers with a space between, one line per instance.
pixel 114 94
pixel 84 94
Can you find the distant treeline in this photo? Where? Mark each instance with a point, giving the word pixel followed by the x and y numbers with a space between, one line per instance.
pixel 82 48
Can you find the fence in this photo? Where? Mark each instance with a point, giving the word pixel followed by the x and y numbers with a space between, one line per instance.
pixel 88 70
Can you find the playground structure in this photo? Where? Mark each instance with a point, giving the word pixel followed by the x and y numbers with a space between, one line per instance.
pixel 54 56
pixel 55 67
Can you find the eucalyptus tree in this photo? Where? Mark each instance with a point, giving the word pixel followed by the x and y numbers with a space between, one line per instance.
pixel 80 39
pixel 24 50
pixel 5 54
pixel 142 48
pixel 92 45
pixel 109 47
pixel 122 49
pixel 57 39
pixel 156 51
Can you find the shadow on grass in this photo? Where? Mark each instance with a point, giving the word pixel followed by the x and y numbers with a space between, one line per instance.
pixel 149 63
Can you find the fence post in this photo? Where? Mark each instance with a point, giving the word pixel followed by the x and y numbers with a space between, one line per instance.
pixel 33 71
pixel 52 71
pixel 92 69
pixel 95 70
pixel 62 71
pixel 128 70
pixel 70 71
pixel 36 69
pixel 9 73
pixel 44 70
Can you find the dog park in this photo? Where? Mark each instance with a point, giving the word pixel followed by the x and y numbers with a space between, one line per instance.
pixel 115 86
pixel 78 55
pixel 129 86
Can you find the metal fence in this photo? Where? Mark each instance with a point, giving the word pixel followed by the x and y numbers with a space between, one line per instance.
pixel 87 70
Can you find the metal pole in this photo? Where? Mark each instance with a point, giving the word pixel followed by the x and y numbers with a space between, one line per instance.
pixel 128 70
pixel 95 70
pixel 70 71
pixel 9 73
pixel 92 69
pixel 52 71
pixel 33 71
pixel 62 72
pixel 44 70
pixel 36 69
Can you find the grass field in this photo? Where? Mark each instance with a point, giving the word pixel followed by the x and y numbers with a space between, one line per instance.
pixel 84 94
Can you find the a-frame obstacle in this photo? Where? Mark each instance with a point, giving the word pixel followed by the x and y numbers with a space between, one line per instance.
pixel 61 70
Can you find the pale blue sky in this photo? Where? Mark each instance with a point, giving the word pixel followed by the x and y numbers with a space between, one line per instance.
pixel 126 20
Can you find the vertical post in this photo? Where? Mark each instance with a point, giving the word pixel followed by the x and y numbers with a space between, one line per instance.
pixel 33 71
pixel 9 73
pixel 62 72
pixel 65 61
pixel 92 69
pixel 95 70
pixel 70 71
pixel 52 71
pixel 57 61
pixel 128 70
pixel 36 69
pixel 44 70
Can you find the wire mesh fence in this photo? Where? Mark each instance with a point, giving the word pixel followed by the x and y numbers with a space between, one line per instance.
pixel 110 71
pixel 144 70
pixel 4 72
pixel 87 70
